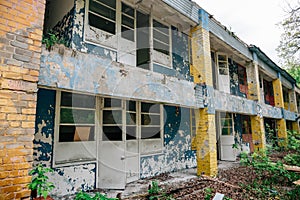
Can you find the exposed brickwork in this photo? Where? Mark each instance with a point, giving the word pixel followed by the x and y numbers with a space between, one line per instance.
pixel 279 102
pixel 206 131
pixel 21 25
pixel 258 132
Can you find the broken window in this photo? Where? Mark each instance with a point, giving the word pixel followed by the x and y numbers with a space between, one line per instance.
pixel 102 15
pixel 77 117
pixel 161 37
pixel 127 27
pixel 223 64
pixel 75 135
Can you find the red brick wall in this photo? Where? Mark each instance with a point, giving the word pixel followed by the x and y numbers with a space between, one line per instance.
pixel 21 25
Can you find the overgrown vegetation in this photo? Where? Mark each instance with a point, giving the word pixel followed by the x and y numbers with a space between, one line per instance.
pixel 272 176
pixel 98 196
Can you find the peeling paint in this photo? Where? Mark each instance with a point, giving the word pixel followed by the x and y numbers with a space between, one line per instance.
pixel 67 180
pixel 66 72
pixel 177 142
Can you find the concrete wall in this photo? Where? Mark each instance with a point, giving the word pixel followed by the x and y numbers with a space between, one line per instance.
pixel 177 142
pixel 21 28
pixel 73 177
pixel 94 74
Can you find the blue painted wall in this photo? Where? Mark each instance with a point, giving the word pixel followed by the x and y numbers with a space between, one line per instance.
pixel 44 126
pixel 67 179
pixel 177 143
pixel 63 29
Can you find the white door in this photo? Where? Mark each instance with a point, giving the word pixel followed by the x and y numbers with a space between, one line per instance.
pixel 112 165
pixel 132 142
pixel 227 137
pixel 112 145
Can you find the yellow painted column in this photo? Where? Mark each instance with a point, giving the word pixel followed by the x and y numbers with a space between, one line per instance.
pixel 202 72
pixel 293 108
pixel 281 124
pixel 257 122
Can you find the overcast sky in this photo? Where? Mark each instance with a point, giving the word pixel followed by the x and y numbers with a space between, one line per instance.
pixel 254 22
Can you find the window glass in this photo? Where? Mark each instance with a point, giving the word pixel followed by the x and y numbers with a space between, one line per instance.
pixel 76 117
pixel 226 124
pixel 102 15
pixel 127 22
pixel 161 37
pixel 150 121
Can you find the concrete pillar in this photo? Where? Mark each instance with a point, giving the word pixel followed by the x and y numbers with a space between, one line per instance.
pixel 21 29
pixel 202 72
pixel 257 122
pixel 278 98
pixel 293 108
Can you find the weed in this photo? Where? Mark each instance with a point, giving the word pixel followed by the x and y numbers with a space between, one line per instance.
pixel 50 39
pixel 39 181
pixel 155 192
pixel 98 196
pixel 208 193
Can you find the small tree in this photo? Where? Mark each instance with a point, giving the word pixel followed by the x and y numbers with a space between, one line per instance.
pixel 40 181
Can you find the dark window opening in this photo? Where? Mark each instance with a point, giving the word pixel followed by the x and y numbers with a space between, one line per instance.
pixel 143 41
pixel 268 92
pixel 76 133
pixel 102 15
pixel 242 76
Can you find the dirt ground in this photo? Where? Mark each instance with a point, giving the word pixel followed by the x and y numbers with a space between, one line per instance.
pixel 231 181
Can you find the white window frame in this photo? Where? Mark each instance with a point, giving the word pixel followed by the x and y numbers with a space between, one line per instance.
pixel 224 62
pixel 70 150
pixel 157 57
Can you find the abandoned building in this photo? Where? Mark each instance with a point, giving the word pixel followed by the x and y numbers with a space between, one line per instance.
pixel 137 88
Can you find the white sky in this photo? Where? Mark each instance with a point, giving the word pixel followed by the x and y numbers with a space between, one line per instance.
pixel 253 21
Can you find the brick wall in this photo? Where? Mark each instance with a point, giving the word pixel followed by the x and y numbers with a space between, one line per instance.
pixel 21 25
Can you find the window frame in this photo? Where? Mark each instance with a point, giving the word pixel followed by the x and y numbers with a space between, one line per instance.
pixel 103 17
pixel 224 62
pixel 68 147
pixel 163 60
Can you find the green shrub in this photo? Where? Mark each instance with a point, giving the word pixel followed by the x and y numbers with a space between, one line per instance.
pixel 39 181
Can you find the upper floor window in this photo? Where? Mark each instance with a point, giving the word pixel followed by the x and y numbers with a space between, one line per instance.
pixel 102 15
pixel 161 37
pixel 127 24
pixel 223 64
pixel 268 93
pixel 242 76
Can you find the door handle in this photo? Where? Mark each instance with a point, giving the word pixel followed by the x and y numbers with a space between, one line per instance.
pixel 122 157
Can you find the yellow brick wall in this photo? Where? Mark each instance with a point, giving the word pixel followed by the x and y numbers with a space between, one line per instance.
pixel 278 93
pixel 21 25
pixel 258 133
pixel 206 129
pixel 279 102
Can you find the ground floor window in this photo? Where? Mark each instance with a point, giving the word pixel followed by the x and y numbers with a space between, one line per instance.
pixel 82 120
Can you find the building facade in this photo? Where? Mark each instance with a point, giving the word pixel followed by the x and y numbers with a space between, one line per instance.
pixel 141 88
